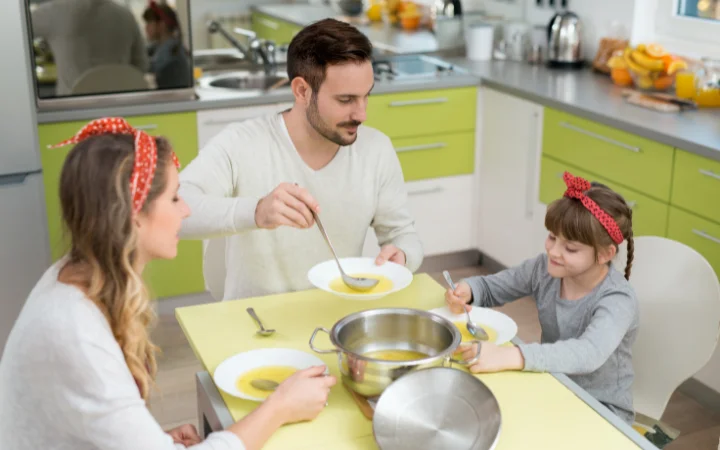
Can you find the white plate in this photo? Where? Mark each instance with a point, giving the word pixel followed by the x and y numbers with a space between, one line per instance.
pixel 324 273
pixel 506 327
pixel 227 373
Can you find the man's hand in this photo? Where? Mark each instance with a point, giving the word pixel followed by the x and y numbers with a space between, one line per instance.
pixel 287 205
pixel 390 253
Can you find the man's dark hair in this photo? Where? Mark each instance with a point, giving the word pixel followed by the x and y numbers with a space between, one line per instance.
pixel 322 44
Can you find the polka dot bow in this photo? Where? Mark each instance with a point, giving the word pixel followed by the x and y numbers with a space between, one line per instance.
pixel 145 154
pixel 576 188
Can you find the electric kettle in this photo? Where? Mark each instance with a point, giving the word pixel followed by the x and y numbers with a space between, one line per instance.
pixel 564 35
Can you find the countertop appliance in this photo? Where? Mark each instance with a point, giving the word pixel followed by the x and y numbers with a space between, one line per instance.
pixel 24 249
pixel 564 36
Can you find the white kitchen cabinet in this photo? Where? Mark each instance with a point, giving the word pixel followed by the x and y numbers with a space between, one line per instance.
pixel 510 218
pixel 212 121
pixel 443 215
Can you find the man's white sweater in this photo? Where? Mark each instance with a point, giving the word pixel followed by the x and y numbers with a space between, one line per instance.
pixel 362 186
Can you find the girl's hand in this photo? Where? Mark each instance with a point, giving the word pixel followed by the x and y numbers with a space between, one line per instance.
pixel 493 358
pixel 458 299
pixel 186 435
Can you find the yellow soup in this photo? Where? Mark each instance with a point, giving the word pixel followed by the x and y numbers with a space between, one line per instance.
pixel 396 355
pixel 272 373
pixel 466 336
pixel 385 285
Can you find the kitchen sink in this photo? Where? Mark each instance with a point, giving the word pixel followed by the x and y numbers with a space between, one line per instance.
pixel 245 81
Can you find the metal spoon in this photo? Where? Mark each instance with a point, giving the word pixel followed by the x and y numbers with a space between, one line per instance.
pixel 262 331
pixel 358 283
pixel 475 330
pixel 264 385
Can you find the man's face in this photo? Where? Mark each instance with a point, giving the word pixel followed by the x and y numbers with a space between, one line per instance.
pixel 338 108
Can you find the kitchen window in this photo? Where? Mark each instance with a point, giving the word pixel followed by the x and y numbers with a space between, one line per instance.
pixel 694 21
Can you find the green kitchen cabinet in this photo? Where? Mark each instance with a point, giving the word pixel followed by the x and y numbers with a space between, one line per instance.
pixel 436 156
pixel 270 28
pixel 641 164
pixel 696 185
pixel 649 215
pixel 701 234
pixel 182 275
pixel 417 113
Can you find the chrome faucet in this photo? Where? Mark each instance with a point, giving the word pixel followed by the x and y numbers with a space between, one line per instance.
pixel 256 47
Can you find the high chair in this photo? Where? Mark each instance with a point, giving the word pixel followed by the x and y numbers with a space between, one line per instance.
pixel 679 297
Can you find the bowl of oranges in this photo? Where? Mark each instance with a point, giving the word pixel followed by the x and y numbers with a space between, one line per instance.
pixel 647 67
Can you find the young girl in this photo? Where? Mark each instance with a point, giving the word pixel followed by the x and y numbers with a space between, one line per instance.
pixel 588 311
pixel 79 365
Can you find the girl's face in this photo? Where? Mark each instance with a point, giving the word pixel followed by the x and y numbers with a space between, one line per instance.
pixel 159 228
pixel 570 258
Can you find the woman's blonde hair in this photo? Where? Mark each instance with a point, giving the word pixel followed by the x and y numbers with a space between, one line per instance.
pixel 569 218
pixel 97 214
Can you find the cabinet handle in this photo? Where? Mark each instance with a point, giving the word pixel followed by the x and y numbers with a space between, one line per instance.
pixel 268 23
pixel 710 173
pixel 600 137
pixel 432 190
pixel 703 234
pixel 425 101
pixel 150 126
pixel 411 148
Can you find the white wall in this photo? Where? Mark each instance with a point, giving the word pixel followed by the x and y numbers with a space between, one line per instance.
pixel 599 19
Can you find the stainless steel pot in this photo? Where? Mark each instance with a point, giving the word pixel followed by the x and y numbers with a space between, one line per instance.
pixel 383 329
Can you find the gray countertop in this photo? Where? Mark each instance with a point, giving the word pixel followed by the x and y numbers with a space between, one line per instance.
pixel 595 97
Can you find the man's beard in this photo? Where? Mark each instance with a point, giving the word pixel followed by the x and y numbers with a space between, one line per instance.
pixel 326 131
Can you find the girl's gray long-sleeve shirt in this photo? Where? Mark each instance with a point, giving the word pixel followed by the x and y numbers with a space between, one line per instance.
pixel 589 339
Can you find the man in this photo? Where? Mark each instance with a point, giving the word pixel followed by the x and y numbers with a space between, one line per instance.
pixel 258 182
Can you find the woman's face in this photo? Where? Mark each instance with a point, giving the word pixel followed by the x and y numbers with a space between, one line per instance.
pixel 159 228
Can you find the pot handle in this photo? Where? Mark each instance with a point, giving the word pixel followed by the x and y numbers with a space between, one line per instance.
pixel 474 359
pixel 312 339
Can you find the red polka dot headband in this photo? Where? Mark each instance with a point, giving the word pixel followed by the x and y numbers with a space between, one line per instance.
pixel 145 154
pixel 576 188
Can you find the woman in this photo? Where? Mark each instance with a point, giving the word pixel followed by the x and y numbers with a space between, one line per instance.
pixel 79 366
pixel 169 61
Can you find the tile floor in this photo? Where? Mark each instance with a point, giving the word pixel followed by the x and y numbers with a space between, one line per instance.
pixel 174 403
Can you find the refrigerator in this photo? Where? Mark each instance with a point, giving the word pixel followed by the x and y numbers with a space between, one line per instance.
pixel 24 247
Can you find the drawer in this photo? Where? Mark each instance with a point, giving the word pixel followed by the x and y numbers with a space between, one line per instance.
pixel 443 213
pixel 409 114
pixel 633 161
pixel 698 233
pixel 649 215
pixel 436 156
pixel 696 185
pixel 273 29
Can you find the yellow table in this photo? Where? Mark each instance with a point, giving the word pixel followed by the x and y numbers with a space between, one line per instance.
pixel 538 410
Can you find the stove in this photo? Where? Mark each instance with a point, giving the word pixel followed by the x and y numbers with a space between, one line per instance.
pixel 412 67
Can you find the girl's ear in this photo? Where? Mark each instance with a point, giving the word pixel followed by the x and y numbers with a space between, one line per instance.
pixel 607 254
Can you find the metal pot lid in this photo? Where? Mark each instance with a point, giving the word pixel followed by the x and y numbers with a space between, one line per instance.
pixel 438 408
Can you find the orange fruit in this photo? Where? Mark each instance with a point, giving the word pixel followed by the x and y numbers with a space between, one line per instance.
pixel 621 77
pixel 655 50
pixel 663 83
